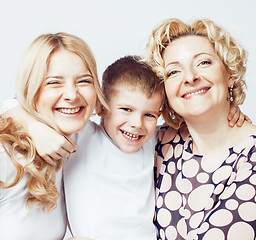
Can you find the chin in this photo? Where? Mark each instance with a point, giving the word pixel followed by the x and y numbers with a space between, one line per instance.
pixel 70 132
pixel 130 150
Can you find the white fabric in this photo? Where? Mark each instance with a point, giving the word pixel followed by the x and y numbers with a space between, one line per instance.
pixel 109 193
pixel 17 221
pixel 8 104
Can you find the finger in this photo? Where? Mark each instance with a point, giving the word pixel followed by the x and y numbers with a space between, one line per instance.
pixel 70 145
pixel 240 121
pixel 64 152
pixel 49 160
pixel 55 156
pixel 232 112
pixel 247 119
pixel 234 119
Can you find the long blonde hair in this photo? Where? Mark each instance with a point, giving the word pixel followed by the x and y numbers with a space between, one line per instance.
pixel 31 73
pixel 232 54
pixel 34 65
pixel 41 180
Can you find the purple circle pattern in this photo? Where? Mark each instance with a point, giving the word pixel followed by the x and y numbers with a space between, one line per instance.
pixel 205 197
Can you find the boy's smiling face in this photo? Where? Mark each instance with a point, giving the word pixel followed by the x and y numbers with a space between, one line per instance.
pixel 132 117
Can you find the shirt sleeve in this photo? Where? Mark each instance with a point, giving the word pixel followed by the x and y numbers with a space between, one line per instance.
pixel 8 104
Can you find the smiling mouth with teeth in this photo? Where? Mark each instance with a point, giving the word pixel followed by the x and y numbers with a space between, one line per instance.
pixel 69 110
pixel 130 136
pixel 195 93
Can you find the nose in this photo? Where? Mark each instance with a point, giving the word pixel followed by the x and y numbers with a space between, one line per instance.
pixel 136 121
pixel 191 77
pixel 70 92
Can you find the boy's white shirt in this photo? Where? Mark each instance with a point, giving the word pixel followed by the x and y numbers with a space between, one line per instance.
pixel 109 193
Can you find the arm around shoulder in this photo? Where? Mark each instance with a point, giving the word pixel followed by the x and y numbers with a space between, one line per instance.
pixel 49 144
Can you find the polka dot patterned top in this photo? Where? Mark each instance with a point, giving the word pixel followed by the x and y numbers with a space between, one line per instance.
pixel 204 197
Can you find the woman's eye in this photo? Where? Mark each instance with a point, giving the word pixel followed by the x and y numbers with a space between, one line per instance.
pixel 171 73
pixel 53 82
pixel 205 62
pixel 85 81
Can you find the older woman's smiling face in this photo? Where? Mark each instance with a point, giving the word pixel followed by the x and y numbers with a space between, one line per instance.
pixel 196 79
pixel 67 95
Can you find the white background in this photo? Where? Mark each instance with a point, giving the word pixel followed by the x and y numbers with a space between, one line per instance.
pixel 114 28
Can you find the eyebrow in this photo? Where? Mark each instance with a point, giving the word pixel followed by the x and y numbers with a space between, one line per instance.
pixel 60 77
pixel 53 76
pixel 85 75
pixel 202 54
pixel 171 63
pixel 125 105
pixel 195 56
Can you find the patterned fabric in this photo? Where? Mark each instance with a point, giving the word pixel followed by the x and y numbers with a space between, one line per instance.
pixel 205 197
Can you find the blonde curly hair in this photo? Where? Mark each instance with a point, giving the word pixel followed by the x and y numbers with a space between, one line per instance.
pixel 41 181
pixel 230 51
pixel 31 74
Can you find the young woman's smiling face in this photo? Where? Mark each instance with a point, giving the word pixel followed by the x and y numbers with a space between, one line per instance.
pixel 67 95
pixel 196 79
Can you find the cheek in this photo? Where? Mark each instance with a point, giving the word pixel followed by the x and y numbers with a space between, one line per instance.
pixel 89 95
pixel 110 126
pixel 43 102
pixel 109 121
pixel 222 82
pixel 170 88
pixel 170 95
pixel 47 97
pixel 151 127
pixel 93 96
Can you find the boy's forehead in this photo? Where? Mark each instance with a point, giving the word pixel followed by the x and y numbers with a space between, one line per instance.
pixel 136 96
pixel 136 88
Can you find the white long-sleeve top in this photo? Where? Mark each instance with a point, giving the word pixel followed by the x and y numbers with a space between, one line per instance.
pixel 19 222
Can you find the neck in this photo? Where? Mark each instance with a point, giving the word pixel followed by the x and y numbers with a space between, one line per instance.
pixel 211 134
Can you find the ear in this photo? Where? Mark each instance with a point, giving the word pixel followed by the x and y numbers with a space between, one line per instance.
pixel 101 110
pixel 159 114
pixel 231 81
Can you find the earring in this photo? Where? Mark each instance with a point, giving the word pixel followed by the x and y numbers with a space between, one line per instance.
pixel 172 115
pixel 231 93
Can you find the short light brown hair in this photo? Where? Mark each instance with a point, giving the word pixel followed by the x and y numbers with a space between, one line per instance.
pixel 131 71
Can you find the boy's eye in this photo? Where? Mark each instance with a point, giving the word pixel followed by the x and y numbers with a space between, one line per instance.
pixel 126 109
pixel 150 115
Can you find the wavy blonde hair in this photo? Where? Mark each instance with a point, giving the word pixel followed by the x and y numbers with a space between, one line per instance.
pixel 41 181
pixel 230 51
pixel 31 74
pixel 34 65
